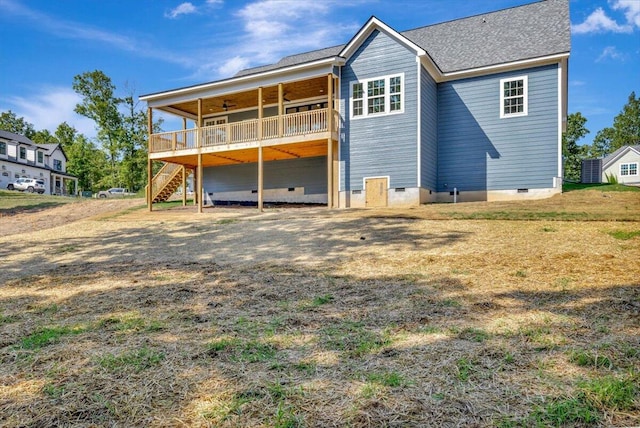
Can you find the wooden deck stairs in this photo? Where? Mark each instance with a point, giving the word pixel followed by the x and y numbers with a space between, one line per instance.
pixel 167 181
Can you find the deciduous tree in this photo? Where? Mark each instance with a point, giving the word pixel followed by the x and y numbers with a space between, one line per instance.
pixel 572 153
pixel 11 123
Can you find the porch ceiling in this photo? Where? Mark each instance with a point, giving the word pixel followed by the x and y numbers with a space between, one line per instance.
pixel 298 90
pixel 269 153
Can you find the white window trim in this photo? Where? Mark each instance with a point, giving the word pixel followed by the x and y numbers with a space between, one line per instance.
pixel 629 168
pixel 387 96
pixel 525 95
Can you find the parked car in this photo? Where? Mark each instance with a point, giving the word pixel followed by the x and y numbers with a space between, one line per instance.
pixel 27 184
pixel 114 192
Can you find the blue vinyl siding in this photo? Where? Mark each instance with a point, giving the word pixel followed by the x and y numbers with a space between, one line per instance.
pixel 384 145
pixel 428 131
pixel 477 150
pixel 310 173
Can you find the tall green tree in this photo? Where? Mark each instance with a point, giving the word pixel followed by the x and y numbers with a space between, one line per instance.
pixel 44 137
pixel 65 134
pixel 133 169
pixel 100 104
pixel 87 162
pixel 624 132
pixel 572 153
pixel 12 123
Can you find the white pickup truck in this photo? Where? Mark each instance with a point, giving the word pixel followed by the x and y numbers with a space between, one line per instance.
pixel 114 192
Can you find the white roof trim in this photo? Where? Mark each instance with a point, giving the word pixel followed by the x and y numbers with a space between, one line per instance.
pixel 375 24
pixel 618 156
pixel 242 79
pixel 504 67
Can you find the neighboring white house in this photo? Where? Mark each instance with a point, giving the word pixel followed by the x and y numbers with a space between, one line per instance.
pixel 624 164
pixel 22 158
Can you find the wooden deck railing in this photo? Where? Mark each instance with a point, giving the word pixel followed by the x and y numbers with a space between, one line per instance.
pixel 290 125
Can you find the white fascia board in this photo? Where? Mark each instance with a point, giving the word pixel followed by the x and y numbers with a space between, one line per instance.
pixel 243 83
pixel 619 156
pixel 375 24
pixel 509 66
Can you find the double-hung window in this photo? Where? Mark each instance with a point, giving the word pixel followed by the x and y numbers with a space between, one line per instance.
pixel 629 169
pixel 57 165
pixel 40 157
pixel 513 97
pixel 377 96
pixel 23 153
pixel 3 148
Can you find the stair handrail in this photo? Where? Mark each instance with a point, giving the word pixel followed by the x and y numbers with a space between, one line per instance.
pixel 163 177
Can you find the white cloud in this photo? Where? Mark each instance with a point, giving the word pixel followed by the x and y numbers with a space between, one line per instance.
pixel 610 52
pixel 215 2
pixel 232 66
pixel 599 22
pixel 632 10
pixel 48 108
pixel 185 8
pixel 272 29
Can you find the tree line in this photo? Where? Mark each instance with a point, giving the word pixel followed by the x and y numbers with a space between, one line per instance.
pixel 118 157
pixel 625 131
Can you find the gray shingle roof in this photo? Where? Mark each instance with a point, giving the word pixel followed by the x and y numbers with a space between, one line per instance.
pixel 15 137
pixel 524 32
pixel 607 159
pixel 294 60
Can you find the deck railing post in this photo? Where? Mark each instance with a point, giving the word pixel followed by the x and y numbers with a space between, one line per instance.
pixel 330 183
pixel 149 161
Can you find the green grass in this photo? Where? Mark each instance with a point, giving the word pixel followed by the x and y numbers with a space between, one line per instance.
pixel 130 324
pixel 252 351
pixel 169 204
pixel 138 360
pixel 389 379
pixel 474 334
pixel 570 187
pixel 610 393
pixel 624 235
pixel 464 368
pixel 13 202
pixel 353 338
pixel 47 336
pixel 564 411
pixel 587 359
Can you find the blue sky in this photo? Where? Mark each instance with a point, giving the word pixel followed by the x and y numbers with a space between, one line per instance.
pixel 148 46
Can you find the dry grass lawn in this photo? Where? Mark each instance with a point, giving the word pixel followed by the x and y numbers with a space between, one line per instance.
pixel 503 314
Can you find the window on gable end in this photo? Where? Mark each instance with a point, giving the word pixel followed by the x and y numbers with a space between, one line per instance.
pixel 377 96
pixel 514 97
pixel 629 169
pixel 357 95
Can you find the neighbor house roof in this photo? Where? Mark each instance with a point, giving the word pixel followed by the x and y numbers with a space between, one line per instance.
pixel 11 136
pixel 608 160
pixel 52 147
pixel 15 137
